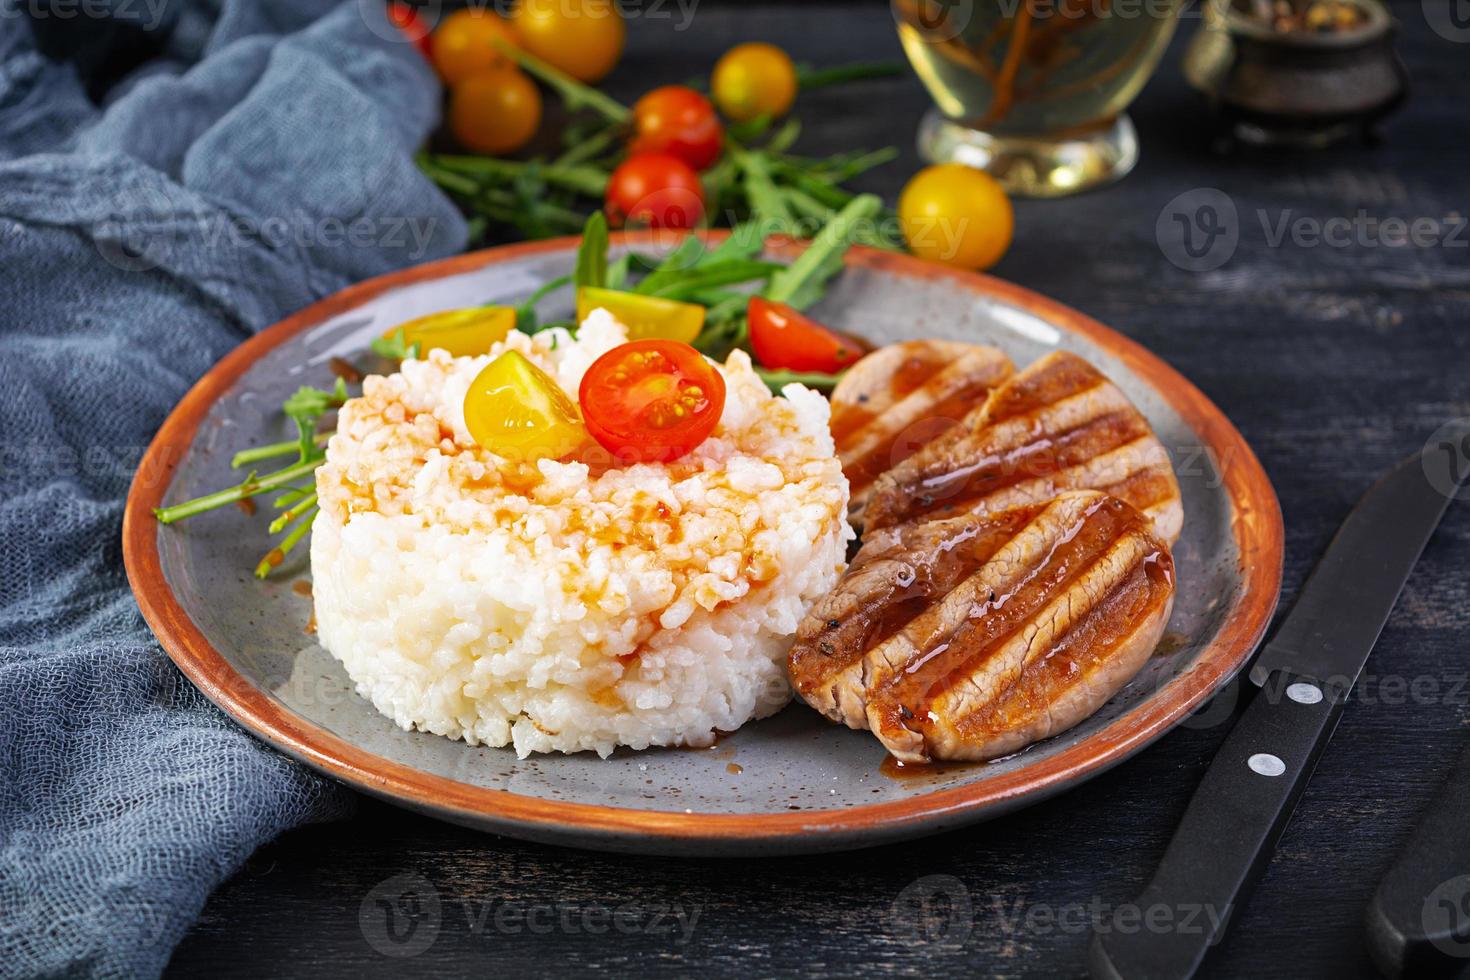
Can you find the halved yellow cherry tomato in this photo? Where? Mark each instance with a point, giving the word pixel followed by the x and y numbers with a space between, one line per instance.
pixel 753 80
pixel 516 410
pixel 646 317
pixel 584 38
pixel 466 43
pixel 956 214
pixel 463 333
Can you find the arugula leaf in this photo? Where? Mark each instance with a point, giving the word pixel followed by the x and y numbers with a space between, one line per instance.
pixel 526 318
pixel 745 241
pixel 394 347
pixel 712 276
pixel 678 263
pixel 306 407
pixel 767 206
pixel 801 283
pixel 592 255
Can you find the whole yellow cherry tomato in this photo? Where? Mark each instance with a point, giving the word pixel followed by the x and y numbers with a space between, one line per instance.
pixel 957 215
pixel 753 80
pixel 463 333
pixel 584 38
pixel 495 112
pixel 516 410
pixel 646 317
pixel 465 44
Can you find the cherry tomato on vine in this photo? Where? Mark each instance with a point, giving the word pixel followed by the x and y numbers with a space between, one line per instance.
pixel 516 410
pixel 680 122
pixel 655 190
pixel 495 112
pixel 783 338
pixel 956 214
pixel 753 80
pixel 413 26
pixel 466 44
pixel 584 38
pixel 651 400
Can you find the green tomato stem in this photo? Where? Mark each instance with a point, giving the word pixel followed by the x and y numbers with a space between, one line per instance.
pixel 573 93
pixel 247 456
pixel 278 554
pixel 249 488
pixel 809 78
pixel 306 503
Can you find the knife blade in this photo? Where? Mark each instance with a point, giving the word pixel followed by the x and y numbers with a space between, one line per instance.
pixel 1247 796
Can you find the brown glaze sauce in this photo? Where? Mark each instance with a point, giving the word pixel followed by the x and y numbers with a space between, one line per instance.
pixel 944 417
pixel 923 567
pixel 301 587
pixel 345 370
pixel 956 489
pixel 734 768
pixel 246 505
pixel 981 636
pixel 909 771
pixel 1086 647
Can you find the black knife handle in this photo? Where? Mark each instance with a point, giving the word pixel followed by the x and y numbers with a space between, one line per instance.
pixel 1419 919
pixel 1226 837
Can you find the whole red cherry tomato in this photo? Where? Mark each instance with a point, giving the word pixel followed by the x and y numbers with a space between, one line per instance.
pixel 412 24
pixel 678 121
pixel 655 190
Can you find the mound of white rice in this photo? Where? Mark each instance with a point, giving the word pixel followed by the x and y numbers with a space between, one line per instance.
pixel 558 606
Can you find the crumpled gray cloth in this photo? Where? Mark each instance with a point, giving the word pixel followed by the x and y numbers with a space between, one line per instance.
pixel 258 160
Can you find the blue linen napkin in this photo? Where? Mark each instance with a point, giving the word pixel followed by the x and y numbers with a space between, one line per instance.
pixel 212 192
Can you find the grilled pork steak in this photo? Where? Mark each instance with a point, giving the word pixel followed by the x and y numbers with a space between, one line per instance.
pixel 902 396
pixel 971 637
pixel 1058 425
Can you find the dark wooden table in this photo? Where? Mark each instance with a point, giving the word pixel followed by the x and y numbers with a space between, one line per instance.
pixel 1334 362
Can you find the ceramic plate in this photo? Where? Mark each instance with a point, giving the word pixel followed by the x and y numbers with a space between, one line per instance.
pixel 790 783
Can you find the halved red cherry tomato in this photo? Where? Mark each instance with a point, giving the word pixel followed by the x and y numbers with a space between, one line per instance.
pixel 680 122
pixel 786 339
pixel 656 190
pixel 651 400
pixel 413 26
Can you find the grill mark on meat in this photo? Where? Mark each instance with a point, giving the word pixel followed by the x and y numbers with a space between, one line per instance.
pixel 918 692
pixel 979 636
pixel 1073 679
pixel 895 401
pixel 897 576
pixel 1059 425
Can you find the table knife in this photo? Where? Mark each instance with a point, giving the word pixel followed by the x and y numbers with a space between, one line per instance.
pixel 1304 675
pixel 1419 919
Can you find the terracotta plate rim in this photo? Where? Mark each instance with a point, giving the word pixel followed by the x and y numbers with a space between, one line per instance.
pixel 1256 524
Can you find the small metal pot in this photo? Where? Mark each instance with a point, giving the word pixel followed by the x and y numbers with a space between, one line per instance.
pixel 1296 88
